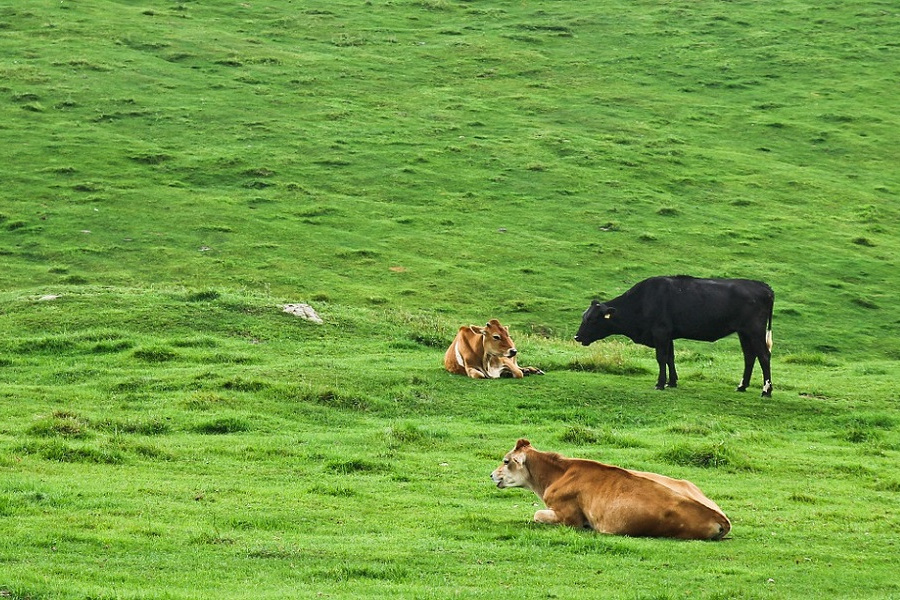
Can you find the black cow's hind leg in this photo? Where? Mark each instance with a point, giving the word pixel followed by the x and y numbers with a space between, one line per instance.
pixel 755 348
pixel 765 363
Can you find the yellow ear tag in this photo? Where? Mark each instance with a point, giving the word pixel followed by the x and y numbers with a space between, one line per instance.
pixel 607 316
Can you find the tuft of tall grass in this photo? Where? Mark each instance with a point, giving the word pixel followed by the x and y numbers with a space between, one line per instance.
pixel 353 466
pixel 139 426
pixel 706 456
pixel 578 434
pixel 411 434
pixel 61 451
pixel 333 399
pixel 611 364
pixel 63 424
pixel 154 354
pixel 223 426
pixel 813 359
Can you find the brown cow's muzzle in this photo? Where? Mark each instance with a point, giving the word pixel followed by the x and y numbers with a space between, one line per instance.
pixel 497 479
pixel 512 352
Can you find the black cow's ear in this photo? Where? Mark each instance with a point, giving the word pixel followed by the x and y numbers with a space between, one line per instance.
pixel 609 313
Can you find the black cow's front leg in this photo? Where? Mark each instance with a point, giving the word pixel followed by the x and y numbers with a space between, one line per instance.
pixel 673 376
pixel 747 347
pixel 662 360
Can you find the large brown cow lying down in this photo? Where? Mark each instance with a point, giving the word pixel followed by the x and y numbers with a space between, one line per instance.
pixel 485 353
pixel 608 499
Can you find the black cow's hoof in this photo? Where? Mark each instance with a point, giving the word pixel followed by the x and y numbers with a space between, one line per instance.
pixel 741 388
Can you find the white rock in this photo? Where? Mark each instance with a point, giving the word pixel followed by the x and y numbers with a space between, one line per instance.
pixel 304 311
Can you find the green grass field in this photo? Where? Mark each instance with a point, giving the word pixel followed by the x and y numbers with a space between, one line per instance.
pixel 175 172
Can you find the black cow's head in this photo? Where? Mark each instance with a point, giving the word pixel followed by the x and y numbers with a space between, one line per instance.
pixel 595 323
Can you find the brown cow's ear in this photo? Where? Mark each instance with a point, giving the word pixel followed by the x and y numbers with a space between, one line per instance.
pixel 522 443
pixel 476 330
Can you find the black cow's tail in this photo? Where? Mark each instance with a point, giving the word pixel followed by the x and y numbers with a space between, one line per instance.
pixel 769 325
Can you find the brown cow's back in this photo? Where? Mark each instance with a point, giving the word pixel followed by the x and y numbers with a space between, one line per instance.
pixel 682 486
pixel 636 504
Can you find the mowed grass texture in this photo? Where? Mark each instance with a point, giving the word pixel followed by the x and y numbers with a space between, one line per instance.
pixel 176 171
pixel 268 453
pixel 306 149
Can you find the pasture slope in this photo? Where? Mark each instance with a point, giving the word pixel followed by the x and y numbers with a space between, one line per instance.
pixel 175 171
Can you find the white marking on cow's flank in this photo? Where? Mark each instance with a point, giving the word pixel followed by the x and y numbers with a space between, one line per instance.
pixel 459 358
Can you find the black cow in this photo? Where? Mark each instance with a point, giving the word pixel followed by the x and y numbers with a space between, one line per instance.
pixel 661 309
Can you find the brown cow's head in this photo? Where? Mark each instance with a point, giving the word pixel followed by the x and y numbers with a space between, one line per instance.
pixel 496 340
pixel 513 472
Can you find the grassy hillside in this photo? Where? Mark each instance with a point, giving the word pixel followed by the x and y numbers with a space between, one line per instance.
pixel 176 171
pixel 304 150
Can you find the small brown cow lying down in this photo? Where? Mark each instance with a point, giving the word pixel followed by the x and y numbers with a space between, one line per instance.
pixel 485 353
pixel 608 499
